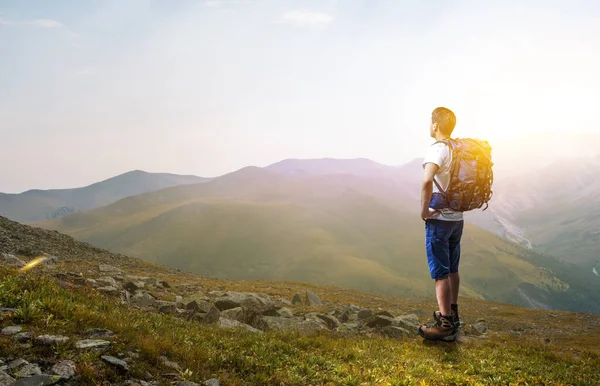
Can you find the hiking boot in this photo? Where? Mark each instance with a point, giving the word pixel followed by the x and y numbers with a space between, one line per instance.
pixel 454 316
pixel 443 329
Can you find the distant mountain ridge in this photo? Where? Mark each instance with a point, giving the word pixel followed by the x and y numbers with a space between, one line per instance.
pixel 39 205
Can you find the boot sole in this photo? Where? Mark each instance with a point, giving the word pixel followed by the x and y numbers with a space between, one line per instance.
pixel 449 338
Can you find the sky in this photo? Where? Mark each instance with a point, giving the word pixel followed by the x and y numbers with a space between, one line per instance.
pixel 93 88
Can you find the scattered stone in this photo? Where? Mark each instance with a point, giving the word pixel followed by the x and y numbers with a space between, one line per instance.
pixel 107 281
pixel 91 282
pixel 65 369
pixel 143 299
pixel 170 308
pixel 228 323
pixel 110 270
pixel 380 321
pixel 185 383
pixel 5 379
pixel 131 286
pixel 312 299
pixel 364 314
pixel 234 314
pixel 170 364
pixel 49 340
pixel 28 370
pixel 348 328
pixel 4 311
pixel 16 364
pixel 330 320
pixel 297 299
pixel 217 294
pixel 212 382
pixel 115 362
pixel 23 337
pixel 100 333
pixel 109 289
pixel 179 299
pixel 407 322
pixel 285 313
pixel 38 380
pixel 11 330
pixel 212 316
pixel 164 284
pixel 136 382
pixel 479 328
pixel 254 302
pixel 91 343
pixel 12 260
pixel 385 313
pixel 196 305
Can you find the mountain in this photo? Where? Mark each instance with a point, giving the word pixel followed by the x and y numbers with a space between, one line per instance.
pixel 555 210
pixel 39 205
pixel 344 230
pixel 94 317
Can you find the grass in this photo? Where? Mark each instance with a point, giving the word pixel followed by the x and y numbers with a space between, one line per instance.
pixel 242 358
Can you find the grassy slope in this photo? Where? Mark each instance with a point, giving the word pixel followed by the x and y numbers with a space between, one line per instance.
pixel 36 205
pixel 315 230
pixel 570 354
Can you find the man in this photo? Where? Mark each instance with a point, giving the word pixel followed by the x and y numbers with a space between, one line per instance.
pixel 443 230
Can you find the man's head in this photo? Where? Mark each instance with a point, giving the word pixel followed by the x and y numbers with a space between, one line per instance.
pixel 443 121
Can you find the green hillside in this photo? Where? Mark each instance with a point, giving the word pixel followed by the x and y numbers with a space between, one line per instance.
pixel 40 205
pixel 338 230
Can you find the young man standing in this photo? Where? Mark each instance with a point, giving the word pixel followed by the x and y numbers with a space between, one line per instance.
pixel 443 230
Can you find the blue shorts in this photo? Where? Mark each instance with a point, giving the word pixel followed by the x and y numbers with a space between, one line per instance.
pixel 442 240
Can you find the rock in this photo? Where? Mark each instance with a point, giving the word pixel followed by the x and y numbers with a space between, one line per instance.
pixel 234 314
pixel 212 382
pixel 297 299
pixel 38 380
pixel 228 323
pixel 133 286
pixel 109 289
pixel 136 382
pixel 115 362
pixel 349 314
pixel 285 313
pixel 312 299
pixel 479 328
pixel 179 300
pixel 110 270
pixel 217 294
pixel 185 383
pixel 255 302
pixel 99 333
pixel 164 284
pixel 170 364
pixel 170 308
pixel 364 314
pixel 385 313
pixel 49 340
pixel 5 379
pixel 23 337
pixel 395 332
pixel 16 364
pixel 4 311
pixel 273 323
pixel 91 282
pixel 91 343
pixel 212 316
pixel 65 369
pixel 11 260
pixel 28 370
pixel 107 281
pixel 348 328
pixel 195 305
pixel 379 321
pixel 143 299
pixel 330 320
pixel 409 323
pixel 11 330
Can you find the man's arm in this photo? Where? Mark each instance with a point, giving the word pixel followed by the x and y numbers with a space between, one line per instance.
pixel 427 190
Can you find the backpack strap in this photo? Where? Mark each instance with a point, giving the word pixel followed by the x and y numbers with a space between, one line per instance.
pixel 450 144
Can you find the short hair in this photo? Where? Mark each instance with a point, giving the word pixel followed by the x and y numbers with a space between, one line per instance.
pixel 445 119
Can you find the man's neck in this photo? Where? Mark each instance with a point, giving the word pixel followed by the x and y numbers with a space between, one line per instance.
pixel 441 137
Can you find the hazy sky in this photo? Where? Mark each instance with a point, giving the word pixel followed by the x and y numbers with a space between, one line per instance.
pixel 91 89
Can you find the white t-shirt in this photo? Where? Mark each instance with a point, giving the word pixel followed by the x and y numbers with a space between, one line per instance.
pixel 440 154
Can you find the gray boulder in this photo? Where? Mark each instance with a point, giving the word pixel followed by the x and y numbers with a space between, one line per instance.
pixel 312 299
pixel 29 370
pixel 228 323
pixel 379 321
pixel 254 302
pixel 38 380
pixel 409 323
pixel 234 314
pixel 91 343
pixel 65 369
pixel 11 330
pixel 49 340
pixel 297 299
pixel 11 260
pixel 273 323
pixel 143 299
pixel 5 379
pixel 395 332
pixel 118 363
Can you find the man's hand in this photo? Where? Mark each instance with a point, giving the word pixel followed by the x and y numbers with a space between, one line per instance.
pixel 429 213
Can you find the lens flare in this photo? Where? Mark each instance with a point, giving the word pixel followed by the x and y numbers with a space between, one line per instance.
pixel 33 263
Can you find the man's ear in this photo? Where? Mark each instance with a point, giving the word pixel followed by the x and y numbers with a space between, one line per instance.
pixel 435 127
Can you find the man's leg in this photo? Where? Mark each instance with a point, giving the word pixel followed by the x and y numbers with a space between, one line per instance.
pixel 443 292
pixel 454 280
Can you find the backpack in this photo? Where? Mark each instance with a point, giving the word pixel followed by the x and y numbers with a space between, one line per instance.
pixel 471 175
